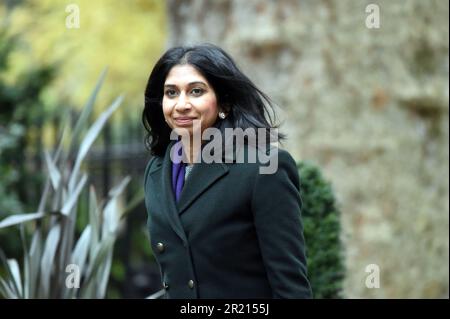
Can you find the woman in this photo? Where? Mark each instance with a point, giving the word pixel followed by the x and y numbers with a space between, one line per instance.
pixel 219 229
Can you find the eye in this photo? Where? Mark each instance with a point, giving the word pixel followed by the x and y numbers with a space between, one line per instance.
pixel 170 93
pixel 197 91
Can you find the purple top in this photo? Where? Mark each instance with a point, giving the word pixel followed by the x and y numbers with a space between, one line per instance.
pixel 178 170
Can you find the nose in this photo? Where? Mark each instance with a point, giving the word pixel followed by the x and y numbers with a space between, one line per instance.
pixel 182 103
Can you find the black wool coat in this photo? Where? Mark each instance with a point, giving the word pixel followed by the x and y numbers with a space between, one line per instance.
pixel 234 233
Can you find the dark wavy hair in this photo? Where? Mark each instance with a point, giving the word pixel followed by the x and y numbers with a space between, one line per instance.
pixel 247 106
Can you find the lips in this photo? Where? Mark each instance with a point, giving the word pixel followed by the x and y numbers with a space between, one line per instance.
pixel 184 120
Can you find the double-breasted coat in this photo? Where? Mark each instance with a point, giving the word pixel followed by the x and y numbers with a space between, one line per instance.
pixel 234 233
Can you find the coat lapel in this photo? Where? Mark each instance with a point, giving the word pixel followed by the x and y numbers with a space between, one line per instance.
pixel 162 178
pixel 202 176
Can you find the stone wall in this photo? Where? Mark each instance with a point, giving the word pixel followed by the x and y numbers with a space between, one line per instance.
pixel 369 106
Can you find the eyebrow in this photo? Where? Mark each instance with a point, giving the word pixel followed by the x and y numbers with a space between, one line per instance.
pixel 189 84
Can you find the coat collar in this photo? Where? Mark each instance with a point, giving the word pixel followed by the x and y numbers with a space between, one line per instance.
pixel 202 177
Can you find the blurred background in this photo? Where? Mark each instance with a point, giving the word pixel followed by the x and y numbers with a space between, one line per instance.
pixel 362 90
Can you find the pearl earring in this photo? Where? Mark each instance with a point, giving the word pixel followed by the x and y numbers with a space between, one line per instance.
pixel 222 115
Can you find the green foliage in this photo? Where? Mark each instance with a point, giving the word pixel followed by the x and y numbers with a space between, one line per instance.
pixel 56 263
pixel 20 113
pixel 81 54
pixel 321 230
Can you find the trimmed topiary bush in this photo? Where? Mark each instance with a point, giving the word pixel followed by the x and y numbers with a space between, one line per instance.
pixel 322 233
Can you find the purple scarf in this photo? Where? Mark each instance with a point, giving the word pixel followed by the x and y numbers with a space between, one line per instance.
pixel 178 170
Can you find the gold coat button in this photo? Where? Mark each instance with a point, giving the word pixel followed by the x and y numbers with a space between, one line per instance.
pixel 191 284
pixel 160 247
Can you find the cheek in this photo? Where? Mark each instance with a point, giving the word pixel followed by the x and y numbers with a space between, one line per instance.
pixel 166 107
pixel 210 107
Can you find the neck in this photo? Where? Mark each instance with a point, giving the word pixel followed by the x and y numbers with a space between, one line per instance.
pixel 191 150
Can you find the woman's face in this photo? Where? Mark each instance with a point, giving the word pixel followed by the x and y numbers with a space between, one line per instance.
pixel 187 97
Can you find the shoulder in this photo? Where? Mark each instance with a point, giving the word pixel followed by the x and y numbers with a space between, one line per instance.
pixel 285 157
pixel 281 169
pixel 287 162
pixel 152 164
pixel 269 163
pixel 278 157
pixel 276 181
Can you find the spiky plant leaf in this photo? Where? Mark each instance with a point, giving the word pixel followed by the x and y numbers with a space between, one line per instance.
pixel 111 212
pixel 87 110
pixel 9 284
pixel 80 252
pixel 14 266
pixel 6 290
pixel 94 221
pixel 35 265
pixel 71 201
pixel 90 137
pixel 55 176
pixel 19 219
pixel 48 256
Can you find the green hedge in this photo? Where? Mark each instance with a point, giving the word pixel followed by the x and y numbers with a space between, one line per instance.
pixel 322 233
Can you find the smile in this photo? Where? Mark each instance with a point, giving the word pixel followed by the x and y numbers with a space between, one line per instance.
pixel 184 121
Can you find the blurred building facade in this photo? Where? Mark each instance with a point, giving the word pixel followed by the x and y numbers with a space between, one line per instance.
pixel 369 105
